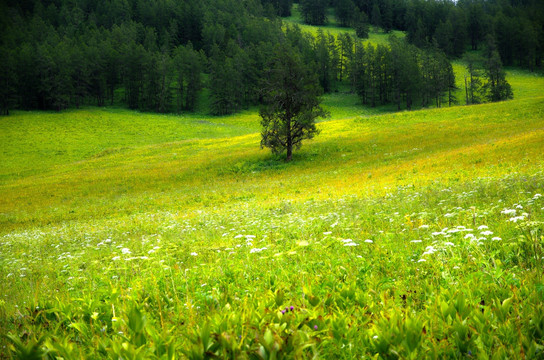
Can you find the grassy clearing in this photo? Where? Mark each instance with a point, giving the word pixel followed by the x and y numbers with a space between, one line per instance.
pixel 375 36
pixel 413 235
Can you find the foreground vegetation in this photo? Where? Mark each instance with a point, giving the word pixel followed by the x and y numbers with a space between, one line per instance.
pixel 407 235
pixel 441 271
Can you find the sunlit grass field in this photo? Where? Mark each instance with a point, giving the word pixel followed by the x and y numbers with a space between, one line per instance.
pixel 394 235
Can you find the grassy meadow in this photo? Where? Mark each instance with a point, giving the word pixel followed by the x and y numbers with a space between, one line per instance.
pixel 376 36
pixel 391 235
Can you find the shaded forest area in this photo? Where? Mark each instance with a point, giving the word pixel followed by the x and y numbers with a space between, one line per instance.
pixel 517 26
pixel 158 55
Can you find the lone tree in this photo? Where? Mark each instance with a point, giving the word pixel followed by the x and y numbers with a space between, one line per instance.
pixel 291 103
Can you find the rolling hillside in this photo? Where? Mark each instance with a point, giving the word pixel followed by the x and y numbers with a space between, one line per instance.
pixel 125 234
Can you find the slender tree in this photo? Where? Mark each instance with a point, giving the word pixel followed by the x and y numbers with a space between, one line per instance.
pixel 473 83
pixel 346 54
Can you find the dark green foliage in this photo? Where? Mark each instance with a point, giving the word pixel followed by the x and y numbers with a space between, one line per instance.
pixel 69 54
pixel 444 36
pixel 345 55
pixel 345 11
pixel 496 88
pixel 473 83
pixel 314 12
pixel 405 73
pixel 223 85
pixel 291 97
pixel 376 17
pixel 476 24
pixel 324 61
pixel 360 23
pixel 517 27
pixel 7 82
pixel 401 73
pixel 281 7
pixel 188 66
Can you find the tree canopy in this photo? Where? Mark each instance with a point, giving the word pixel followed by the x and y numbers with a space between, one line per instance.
pixel 158 55
pixel 291 103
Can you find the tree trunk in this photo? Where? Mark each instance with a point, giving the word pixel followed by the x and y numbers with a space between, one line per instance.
pixel 289 141
pixel 289 152
pixel 466 90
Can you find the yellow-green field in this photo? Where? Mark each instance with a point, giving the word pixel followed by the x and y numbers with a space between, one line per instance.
pixel 397 235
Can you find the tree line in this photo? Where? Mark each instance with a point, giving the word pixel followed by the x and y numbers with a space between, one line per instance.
pixel 163 56
pixel 453 26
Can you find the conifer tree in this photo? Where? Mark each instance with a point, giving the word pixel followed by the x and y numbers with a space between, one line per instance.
pixel 345 10
pixel 291 97
pixel 473 83
pixel 314 12
pixel 496 87
pixel 360 23
pixel 376 17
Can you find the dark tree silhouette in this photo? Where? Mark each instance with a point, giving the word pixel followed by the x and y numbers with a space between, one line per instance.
pixel 291 103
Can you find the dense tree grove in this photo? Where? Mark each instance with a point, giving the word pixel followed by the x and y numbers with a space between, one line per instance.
pixel 401 74
pixel 455 26
pixel 159 55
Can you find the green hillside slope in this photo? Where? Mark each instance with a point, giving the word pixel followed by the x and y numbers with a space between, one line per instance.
pixel 414 234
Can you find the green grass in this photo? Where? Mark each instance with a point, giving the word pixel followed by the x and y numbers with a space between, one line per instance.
pixel 35 142
pixel 418 234
pixel 376 36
